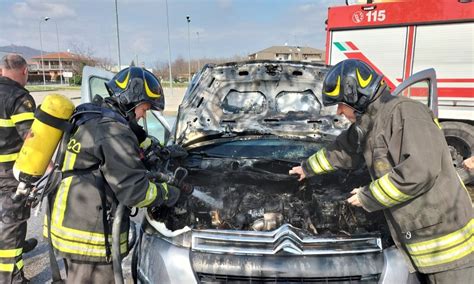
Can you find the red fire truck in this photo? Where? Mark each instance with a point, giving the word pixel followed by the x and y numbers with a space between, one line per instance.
pixel 400 38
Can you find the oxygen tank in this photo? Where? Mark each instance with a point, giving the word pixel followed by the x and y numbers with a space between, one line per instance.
pixel 46 131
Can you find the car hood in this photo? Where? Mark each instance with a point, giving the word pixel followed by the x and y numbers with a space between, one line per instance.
pixel 258 97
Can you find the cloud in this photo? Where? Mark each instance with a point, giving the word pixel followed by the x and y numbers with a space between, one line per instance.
pixel 37 9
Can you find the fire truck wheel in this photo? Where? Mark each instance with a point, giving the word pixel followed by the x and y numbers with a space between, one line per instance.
pixel 460 138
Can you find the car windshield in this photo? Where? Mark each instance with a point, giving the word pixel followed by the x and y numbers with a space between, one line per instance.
pixel 269 148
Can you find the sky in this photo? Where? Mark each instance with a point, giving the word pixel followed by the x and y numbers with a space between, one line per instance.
pixel 218 28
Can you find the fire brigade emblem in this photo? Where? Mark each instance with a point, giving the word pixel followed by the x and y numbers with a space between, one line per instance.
pixel 357 17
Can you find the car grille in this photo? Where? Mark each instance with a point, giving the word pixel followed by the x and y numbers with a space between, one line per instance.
pixel 211 278
pixel 286 239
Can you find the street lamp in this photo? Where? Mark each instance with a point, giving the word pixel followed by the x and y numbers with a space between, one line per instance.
pixel 199 45
pixel 41 48
pixel 169 48
pixel 59 50
pixel 118 34
pixel 188 19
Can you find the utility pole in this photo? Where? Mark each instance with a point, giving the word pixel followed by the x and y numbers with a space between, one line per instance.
pixel 188 19
pixel 169 47
pixel 198 47
pixel 59 50
pixel 118 34
pixel 41 49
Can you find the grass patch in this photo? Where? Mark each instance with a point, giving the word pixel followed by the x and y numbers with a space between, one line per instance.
pixel 166 84
pixel 41 88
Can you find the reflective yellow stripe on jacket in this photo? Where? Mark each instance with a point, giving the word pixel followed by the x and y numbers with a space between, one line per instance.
pixel 9 258
pixel 74 241
pixel 16 118
pixel 6 123
pixel 387 193
pixel 444 249
pixel 319 162
pixel 150 194
pixel 22 117
pixel 9 157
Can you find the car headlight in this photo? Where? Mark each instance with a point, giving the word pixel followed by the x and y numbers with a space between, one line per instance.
pixel 181 237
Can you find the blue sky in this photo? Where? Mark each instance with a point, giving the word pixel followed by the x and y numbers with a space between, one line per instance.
pixel 226 27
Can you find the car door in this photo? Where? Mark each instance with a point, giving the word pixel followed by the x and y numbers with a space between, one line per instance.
pixel 422 87
pixel 93 83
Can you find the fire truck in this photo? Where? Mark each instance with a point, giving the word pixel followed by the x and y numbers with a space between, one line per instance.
pixel 400 38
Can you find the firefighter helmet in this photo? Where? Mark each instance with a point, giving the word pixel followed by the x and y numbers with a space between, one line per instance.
pixel 352 82
pixel 135 85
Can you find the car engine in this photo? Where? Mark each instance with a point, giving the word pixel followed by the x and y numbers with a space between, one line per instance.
pixel 262 196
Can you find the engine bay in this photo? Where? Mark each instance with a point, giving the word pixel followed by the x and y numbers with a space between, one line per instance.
pixel 262 196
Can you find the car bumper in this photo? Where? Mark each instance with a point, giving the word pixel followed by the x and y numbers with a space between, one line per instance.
pixel 158 260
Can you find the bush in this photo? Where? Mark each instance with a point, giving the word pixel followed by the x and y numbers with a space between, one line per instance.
pixel 76 80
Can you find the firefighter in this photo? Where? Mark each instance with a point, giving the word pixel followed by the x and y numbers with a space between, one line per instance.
pixel 16 116
pixel 426 206
pixel 102 167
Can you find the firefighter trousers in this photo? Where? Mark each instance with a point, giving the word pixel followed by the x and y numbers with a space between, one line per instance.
pixel 463 274
pixel 13 217
pixel 84 272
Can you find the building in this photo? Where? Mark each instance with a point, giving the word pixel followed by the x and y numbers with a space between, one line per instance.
pixel 55 64
pixel 293 53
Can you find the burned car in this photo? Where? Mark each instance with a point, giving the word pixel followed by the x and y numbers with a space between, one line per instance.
pixel 244 125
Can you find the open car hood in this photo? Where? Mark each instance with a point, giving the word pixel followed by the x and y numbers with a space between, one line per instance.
pixel 257 97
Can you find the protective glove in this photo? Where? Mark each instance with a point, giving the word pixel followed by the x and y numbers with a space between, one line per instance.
pixel 174 194
pixel 176 151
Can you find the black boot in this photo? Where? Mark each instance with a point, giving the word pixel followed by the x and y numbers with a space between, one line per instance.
pixel 29 245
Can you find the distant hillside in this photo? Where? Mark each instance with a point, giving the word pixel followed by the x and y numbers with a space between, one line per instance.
pixel 25 51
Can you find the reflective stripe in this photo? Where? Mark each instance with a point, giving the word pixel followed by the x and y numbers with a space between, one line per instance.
pixel 314 164
pixel 387 193
pixel 380 195
pixel 445 256
pixel 10 253
pixel 69 161
pixel 392 190
pixel 7 267
pixel 150 195
pixel 6 123
pixel 444 242
pixel 59 212
pixel 145 144
pixel 9 157
pixel 444 249
pixel 19 264
pixel 319 163
pixel 436 121
pixel 22 117
pixel 83 236
pixel 83 249
pixel 323 161
pixel 60 202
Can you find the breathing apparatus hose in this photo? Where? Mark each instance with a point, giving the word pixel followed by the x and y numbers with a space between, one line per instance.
pixel 116 256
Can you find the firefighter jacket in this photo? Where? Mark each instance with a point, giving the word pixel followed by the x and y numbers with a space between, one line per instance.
pixel 16 116
pixel 426 206
pixel 101 160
